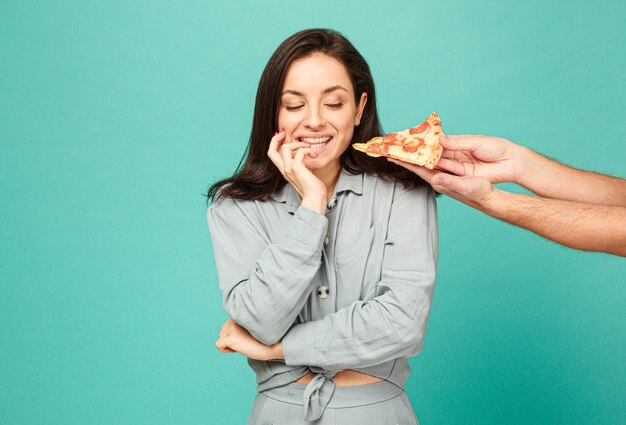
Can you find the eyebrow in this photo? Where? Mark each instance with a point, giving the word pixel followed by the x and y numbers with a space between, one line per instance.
pixel 326 90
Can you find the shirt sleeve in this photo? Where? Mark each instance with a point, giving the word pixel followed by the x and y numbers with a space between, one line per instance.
pixel 393 323
pixel 264 284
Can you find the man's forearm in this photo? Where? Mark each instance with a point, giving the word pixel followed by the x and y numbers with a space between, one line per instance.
pixel 588 227
pixel 551 179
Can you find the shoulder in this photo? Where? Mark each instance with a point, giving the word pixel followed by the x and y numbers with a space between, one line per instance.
pixel 250 209
pixel 224 207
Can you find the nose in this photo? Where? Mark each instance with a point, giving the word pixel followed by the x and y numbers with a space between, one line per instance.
pixel 314 119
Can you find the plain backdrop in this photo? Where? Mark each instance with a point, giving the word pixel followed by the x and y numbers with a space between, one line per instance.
pixel 116 116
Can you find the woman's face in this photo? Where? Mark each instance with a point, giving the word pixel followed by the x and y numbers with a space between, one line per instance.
pixel 317 107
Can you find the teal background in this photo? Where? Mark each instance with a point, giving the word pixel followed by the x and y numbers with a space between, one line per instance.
pixel 116 116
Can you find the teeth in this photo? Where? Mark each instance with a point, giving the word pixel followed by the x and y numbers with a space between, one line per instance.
pixel 316 140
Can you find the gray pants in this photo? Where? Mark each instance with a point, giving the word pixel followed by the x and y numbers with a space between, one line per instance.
pixel 382 403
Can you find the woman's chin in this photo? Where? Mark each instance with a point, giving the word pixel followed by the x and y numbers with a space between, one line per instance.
pixel 322 165
pixel 313 163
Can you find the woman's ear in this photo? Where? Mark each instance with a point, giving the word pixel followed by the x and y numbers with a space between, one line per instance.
pixel 360 108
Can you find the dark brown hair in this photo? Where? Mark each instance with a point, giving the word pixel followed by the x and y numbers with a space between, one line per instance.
pixel 258 177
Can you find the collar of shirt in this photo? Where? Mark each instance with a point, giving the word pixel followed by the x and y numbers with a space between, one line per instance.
pixel 346 183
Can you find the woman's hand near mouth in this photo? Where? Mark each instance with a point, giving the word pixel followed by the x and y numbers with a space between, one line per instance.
pixel 289 159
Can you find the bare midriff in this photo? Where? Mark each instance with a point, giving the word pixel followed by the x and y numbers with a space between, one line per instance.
pixel 344 378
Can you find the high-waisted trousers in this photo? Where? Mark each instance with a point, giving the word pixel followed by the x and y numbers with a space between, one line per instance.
pixel 382 403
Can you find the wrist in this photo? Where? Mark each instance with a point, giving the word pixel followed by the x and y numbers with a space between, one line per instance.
pixel 276 351
pixel 493 203
pixel 528 167
pixel 315 203
pixel 521 158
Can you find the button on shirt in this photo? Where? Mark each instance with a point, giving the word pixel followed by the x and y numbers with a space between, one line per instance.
pixel 332 203
pixel 350 289
pixel 322 292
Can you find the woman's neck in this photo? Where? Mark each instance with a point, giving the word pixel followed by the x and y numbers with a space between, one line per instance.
pixel 329 176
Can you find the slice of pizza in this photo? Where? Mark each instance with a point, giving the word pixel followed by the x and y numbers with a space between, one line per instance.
pixel 418 145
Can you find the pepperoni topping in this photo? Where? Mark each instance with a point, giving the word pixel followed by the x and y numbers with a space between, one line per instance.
pixel 413 147
pixel 378 147
pixel 389 139
pixel 420 129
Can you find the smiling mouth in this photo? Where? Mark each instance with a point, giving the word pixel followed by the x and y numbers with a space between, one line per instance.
pixel 315 142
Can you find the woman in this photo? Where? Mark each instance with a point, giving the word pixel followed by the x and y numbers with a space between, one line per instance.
pixel 327 281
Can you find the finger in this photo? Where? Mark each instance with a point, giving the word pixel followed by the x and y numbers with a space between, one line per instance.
pixel 273 152
pixel 446 183
pixel 222 345
pixel 450 166
pixel 301 153
pixel 296 145
pixel 286 157
pixel 298 158
pixel 457 155
pixel 306 151
pixel 287 153
pixel 462 188
pixel 276 141
pixel 448 154
pixel 461 142
pixel 290 149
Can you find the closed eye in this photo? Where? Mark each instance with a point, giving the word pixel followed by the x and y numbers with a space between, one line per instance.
pixel 330 105
pixel 293 108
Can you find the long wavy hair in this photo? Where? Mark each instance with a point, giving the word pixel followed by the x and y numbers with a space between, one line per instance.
pixel 256 176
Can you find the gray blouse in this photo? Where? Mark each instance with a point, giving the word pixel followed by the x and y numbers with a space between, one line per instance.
pixel 350 289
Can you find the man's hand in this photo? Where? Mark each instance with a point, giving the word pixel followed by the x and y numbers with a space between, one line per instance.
pixel 493 158
pixel 234 338
pixel 579 209
pixel 473 191
pixel 468 166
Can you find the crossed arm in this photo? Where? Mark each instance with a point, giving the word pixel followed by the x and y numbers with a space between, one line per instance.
pixel 266 284
pixel 579 209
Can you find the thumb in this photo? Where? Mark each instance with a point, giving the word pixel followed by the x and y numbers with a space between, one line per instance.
pixel 457 186
pixel 447 183
pixel 460 142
